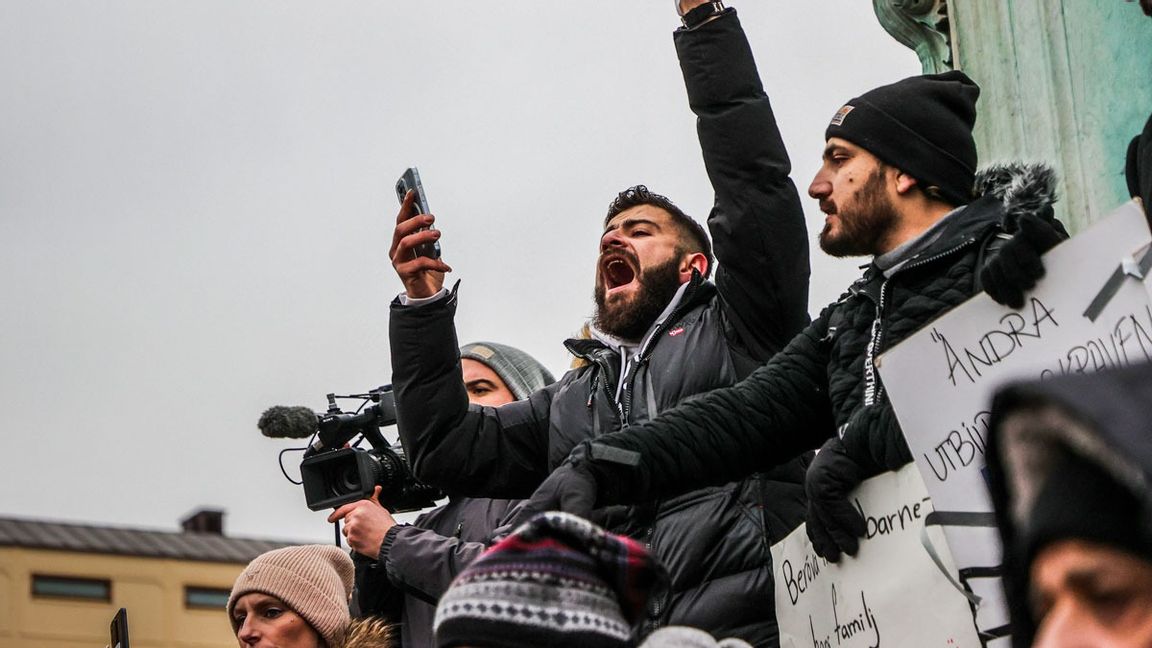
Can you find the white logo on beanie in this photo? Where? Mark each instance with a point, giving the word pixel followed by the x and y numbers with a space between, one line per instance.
pixel 838 118
pixel 482 351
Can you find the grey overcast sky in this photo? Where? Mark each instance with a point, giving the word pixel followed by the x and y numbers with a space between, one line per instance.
pixel 196 198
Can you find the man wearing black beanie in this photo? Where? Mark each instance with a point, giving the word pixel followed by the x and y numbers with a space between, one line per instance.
pixel 898 183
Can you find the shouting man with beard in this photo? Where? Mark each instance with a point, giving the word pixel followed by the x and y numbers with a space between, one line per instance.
pixel 662 333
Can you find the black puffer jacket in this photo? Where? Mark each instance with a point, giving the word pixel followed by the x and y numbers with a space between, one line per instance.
pixel 825 379
pixel 715 541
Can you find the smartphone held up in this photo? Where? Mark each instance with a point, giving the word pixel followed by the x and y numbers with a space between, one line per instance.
pixel 410 181
pixel 118 630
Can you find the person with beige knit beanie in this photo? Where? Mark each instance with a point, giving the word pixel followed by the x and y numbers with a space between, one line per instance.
pixel 297 597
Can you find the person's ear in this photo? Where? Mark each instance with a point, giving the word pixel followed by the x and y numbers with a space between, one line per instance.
pixel 695 261
pixel 904 183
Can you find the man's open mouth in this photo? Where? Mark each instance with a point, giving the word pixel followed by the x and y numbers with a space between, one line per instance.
pixel 617 272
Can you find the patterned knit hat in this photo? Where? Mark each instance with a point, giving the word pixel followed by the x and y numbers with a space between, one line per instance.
pixel 921 125
pixel 314 580
pixel 558 580
pixel 517 369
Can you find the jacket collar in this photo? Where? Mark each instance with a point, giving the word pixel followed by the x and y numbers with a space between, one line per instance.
pixel 1006 193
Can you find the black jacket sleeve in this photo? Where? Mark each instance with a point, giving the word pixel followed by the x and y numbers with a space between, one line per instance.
pixel 781 410
pixel 757 223
pixel 423 562
pixel 875 441
pixel 466 449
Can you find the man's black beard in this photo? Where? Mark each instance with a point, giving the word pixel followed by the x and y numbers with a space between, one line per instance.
pixel 631 320
pixel 865 223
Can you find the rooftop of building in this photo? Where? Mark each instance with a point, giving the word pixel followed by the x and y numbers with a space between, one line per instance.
pixel 202 539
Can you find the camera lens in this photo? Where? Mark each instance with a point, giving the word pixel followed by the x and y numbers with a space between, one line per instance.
pixel 347 480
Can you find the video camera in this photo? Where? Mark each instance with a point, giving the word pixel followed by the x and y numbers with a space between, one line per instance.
pixel 333 474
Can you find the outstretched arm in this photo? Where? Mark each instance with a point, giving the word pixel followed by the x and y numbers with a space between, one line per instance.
pixel 757 223
pixel 778 412
pixel 781 410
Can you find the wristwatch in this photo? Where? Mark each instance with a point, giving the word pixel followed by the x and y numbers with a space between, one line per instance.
pixel 701 14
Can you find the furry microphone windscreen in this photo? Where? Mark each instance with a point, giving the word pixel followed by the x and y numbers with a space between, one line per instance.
pixel 279 422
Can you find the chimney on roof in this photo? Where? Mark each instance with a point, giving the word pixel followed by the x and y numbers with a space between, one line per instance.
pixel 204 521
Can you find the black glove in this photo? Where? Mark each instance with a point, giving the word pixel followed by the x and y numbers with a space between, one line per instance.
pixel 570 488
pixel 1016 267
pixel 575 486
pixel 834 524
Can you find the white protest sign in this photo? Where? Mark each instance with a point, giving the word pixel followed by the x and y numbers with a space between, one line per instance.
pixel 940 380
pixel 889 594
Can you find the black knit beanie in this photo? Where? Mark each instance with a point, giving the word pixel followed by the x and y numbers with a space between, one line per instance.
pixel 922 126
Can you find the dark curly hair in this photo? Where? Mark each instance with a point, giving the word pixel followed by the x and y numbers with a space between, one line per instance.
pixel 693 238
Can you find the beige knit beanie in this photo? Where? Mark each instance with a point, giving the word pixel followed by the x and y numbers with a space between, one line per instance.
pixel 314 580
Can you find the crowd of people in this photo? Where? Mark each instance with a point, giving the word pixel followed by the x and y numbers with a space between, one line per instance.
pixel 708 416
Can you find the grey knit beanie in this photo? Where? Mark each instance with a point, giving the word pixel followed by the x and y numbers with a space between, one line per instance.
pixel 520 371
pixel 314 580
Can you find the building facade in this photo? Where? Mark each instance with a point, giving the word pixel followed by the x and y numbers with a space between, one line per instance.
pixel 61 584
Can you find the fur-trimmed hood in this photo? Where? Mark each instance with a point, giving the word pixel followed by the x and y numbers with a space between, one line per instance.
pixel 1022 187
pixel 1004 193
pixel 371 632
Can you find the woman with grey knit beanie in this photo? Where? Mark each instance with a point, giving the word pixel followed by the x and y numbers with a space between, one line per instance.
pixel 297 597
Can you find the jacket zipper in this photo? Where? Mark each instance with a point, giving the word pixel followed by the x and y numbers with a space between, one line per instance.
pixel 625 406
pixel 601 371
pixel 873 390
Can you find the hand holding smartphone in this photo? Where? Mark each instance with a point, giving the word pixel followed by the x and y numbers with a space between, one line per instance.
pixel 410 181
